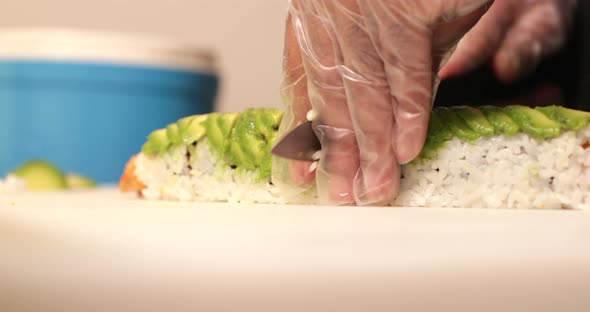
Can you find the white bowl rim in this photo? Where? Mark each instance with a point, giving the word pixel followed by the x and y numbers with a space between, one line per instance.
pixel 84 45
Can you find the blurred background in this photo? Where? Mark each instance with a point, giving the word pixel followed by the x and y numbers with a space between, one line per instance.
pixel 90 118
pixel 246 35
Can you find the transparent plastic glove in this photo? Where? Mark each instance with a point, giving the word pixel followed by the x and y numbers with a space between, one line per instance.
pixel 368 69
pixel 516 35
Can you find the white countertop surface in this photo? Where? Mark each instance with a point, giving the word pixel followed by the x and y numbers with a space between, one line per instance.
pixel 103 251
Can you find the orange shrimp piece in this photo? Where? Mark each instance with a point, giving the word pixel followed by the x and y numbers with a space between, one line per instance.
pixel 129 181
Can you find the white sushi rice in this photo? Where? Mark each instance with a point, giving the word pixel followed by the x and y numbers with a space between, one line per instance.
pixel 517 172
pixel 203 178
pixel 503 172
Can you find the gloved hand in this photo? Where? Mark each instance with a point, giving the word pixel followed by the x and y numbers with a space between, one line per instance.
pixel 515 35
pixel 368 69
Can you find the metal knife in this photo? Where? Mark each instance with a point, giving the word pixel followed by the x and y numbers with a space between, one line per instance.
pixel 299 144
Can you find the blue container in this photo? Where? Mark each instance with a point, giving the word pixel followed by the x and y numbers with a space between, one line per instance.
pixel 90 113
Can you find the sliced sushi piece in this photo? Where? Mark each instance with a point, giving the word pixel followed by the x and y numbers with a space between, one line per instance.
pixel 489 157
pixel 42 175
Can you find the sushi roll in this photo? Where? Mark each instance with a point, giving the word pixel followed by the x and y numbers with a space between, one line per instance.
pixel 487 157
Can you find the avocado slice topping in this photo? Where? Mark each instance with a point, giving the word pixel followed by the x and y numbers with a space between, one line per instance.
pixel 568 118
pixel 476 120
pixel 533 121
pixel 501 122
pixel 40 175
pixel 458 127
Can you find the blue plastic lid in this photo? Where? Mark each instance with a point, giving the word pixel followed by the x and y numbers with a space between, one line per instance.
pixel 103 47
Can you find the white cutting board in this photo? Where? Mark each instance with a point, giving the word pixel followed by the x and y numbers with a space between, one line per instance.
pixel 103 251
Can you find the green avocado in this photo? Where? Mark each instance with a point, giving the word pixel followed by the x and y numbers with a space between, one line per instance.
pixel 501 122
pixel 533 122
pixel 219 127
pixel 438 130
pixel 192 129
pixel 183 123
pixel 78 181
pixel 438 134
pixel 173 134
pixel 157 142
pixel 41 175
pixel 271 120
pixel 569 119
pixel 252 138
pixel 476 120
pixel 457 126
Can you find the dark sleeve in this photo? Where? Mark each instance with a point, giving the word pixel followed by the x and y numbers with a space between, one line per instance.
pixel 561 79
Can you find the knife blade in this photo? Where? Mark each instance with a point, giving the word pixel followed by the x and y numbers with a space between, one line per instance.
pixel 299 144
